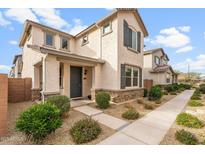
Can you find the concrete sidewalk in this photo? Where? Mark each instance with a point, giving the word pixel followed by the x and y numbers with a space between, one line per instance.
pixel 151 128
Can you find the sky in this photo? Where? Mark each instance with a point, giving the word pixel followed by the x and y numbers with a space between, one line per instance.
pixel 180 32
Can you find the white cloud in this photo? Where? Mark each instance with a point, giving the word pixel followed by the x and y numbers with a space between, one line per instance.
pixel 78 27
pixel 13 42
pixel 21 15
pixel 4 68
pixel 185 28
pixel 171 37
pixel 185 49
pixel 197 64
pixel 3 21
pixel 51 17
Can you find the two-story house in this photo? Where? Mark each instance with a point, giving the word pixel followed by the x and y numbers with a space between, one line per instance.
pixel 156 67
pixel 16 69
pixel 108 55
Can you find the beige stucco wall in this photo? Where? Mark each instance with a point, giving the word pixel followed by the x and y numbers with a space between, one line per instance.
pixel 125 55
pixel 30 58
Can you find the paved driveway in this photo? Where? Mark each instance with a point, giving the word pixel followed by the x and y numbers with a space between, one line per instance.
pixel 151 128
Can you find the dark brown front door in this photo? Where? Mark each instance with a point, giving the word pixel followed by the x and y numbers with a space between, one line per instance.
pixel 75 81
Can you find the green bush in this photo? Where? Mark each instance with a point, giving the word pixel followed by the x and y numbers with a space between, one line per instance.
pixel 155 93
pixel 145 92
pixel 185 86
pixel 62 102
pixel 103 100
pixel 148 107
pixel 85 130
pixel 202 88
pixel 130 114
pixel 195 97
pixel 189 120
pixel 195 103
pixel 186 137
pixel 38 121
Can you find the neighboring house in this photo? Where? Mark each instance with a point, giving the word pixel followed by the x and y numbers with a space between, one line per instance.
pixel 156 67
pixel 108 55
pixel 16 69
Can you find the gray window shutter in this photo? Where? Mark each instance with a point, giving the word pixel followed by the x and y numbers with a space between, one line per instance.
pixel 123 76
pixel 139 41
pixel 126 34
pixel 140 77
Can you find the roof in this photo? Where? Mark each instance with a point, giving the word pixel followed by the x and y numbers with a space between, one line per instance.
pixel 28 23
pixel 16 57
pixel 155 50
pixel 163 68
pixel 114 12
pixel 63 54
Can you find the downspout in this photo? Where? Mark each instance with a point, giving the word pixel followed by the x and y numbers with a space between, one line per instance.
pixel 44 77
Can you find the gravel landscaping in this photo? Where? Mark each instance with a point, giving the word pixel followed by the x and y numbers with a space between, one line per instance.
pixel 60 136
pixel 117 110
pixel 199 112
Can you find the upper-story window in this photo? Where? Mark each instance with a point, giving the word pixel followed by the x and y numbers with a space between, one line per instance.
pixel 157 60
pixel 132 39
pixel 64 43
pixel 107 28
pixel 49 39
pixel 85 40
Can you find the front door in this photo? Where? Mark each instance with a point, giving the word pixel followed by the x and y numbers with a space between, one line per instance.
pixel 75 82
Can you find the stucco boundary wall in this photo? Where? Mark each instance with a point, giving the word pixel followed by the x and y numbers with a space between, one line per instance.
pixel 123 95
pixel 3 104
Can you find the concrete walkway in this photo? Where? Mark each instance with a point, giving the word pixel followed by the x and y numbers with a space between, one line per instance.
pixel 105 119
pixel 152 128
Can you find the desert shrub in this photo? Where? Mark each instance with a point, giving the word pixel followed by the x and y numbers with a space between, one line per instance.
pixel 195 97
pixel 165 93
pixel 103 100
pixel 203 142
pixel 173 93
pixel 169 88
pixel 202 88
pixel 130 114
pixel 85 130
pixel 185 86
pixel 148 107
pixel 140 101
pixel 158 102
pixel 145 92
pixel 195 103
pixel 62 102
pixel 155 93
pixel 38 121
pixel 186 137
pixel 189 120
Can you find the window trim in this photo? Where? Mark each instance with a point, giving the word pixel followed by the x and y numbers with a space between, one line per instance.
pixel 84 43
pixel 132 76
pixel 68 44
pixel 53 41
pixel 156 57
pixel 102 31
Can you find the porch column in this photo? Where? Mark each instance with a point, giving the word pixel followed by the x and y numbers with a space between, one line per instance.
pixel 96 79
pixel 51 75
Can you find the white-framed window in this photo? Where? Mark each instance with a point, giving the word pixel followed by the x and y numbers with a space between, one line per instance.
pixel 157 60
pixel 132 76
pixel 64 43
pixel 85 39
pixel 107 28
pixel 49 39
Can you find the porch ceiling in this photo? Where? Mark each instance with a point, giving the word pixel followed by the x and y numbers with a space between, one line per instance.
pixel 71 56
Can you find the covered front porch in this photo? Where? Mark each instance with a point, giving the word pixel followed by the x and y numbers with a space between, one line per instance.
pixel 67 74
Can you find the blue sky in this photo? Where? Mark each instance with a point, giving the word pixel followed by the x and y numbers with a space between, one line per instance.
pixel 179 31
